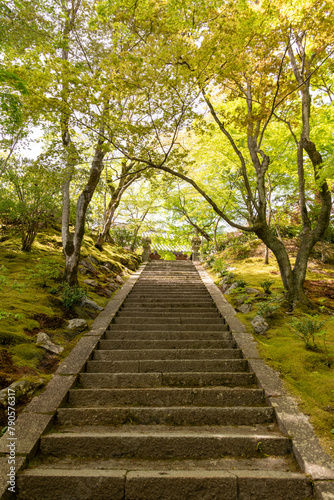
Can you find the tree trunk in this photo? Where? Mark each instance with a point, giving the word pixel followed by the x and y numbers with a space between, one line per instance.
pixel 72 247
pixel 135 233
pixel 266 255
pixel 28 238
pixel 323 251
pixel 112 207
pixel 125 181
pixel 215 234
pixel 65 216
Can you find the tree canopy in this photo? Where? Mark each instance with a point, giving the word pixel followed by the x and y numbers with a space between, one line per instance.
pixel 227 103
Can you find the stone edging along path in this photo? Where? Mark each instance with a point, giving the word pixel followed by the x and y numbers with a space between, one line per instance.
pixel 309 454
pixel 38 416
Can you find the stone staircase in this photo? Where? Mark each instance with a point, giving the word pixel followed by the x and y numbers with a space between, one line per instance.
pixel 166 409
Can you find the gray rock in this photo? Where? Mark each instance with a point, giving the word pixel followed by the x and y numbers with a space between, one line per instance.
pixel 43 340
pixel 241 300
pixel 93 260
pixel 260 325
pixel 245 308
pixel 88 265
pixel 119 279
pixel 91 283
pixel 108 266
pixel 90 304
pixel 77 325
pixel 21 388
pixel 231 288
pixel 251 290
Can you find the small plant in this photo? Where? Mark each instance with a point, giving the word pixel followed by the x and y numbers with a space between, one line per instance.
pixel 266 286
pixel 45 270
pixel 220 268
pixel 241 283
pixel 308 329
pixel 72 295
pixel 18 286
pixel 210 261
pixel 15 316
pixel 3 279
pixel 268 309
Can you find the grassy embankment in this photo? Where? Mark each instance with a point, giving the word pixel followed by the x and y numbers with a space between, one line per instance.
pixel 30 302
pixel 308 373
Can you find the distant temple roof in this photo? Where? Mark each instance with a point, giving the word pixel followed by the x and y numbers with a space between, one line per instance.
pixel 166 242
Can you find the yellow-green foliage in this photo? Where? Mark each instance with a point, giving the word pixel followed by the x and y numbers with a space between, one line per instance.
pixel 305 372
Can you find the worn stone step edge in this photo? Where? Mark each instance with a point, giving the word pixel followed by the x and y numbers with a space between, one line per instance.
pixel 182 379
pixel 162 444
pixel 122 334
pixel 220 397
pixel 165 354
pixel 102 484
pixel 187 365
pixel 165 344
pixel 171 415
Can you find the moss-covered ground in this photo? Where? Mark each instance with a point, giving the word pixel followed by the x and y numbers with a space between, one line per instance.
pixel 30 300
pixel 308 373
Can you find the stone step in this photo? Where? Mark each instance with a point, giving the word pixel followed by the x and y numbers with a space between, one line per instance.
pixel 163 442
pixel 165 344
pixel 162 396
pixel 124 484
pixel 151 320
pixel 166 327
pixel 166 366
pixel 171 305
pixel 173 379
pixel 142 288
pixel 164 294
pixel 166 354
pixel 168 299
pixel 139 313
pixel 201 415
pixel 147 334
pixel 174 309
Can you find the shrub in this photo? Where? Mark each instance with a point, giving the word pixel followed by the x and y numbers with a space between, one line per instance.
pixel 72 295
pixel 266 286
pixel 220 268
pixel 308 329
pixel 268 309
pixel 45 270
pixel 241 283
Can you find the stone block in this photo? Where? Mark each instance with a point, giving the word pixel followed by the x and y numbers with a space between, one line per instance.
pixel 76 360
pixel 28 429
pixel 4 470
pixel 311 457
pixel 53 396
pixel 267 378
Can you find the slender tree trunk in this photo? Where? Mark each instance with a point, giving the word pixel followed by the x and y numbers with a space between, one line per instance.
pixel 323 251
pixel 112 207
pixel 266 255
pixel 65 216
pixel 135 233
pixel 72 248
pixel 215 234
pixel 124 183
